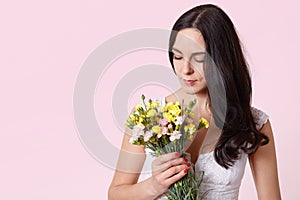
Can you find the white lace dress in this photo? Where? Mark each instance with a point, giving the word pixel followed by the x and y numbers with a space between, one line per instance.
pixel 220 183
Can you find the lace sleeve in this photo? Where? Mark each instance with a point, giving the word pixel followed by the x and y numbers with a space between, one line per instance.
pixel 259 117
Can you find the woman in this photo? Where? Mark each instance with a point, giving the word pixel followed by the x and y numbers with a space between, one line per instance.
pixel 206 55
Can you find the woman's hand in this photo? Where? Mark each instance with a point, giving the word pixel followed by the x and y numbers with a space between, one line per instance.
pixel 166 170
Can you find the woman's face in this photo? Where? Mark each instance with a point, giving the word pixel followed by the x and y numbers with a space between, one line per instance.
pixel 188 60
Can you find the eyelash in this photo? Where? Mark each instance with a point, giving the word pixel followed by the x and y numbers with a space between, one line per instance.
pixel 179 58
pixel 199 61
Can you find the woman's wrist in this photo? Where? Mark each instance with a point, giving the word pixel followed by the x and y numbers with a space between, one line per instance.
pixel 153 191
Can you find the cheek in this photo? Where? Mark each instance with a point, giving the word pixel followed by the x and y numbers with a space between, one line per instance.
pixel 198 68
pixel 177 65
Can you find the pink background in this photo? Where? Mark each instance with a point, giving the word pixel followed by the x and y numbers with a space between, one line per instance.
pixel 42 47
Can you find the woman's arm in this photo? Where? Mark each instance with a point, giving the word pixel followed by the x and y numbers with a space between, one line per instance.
pixel 264 168
pixel 124 184
pixel 166 170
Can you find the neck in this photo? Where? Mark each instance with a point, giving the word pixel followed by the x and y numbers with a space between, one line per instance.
pixel 203 100
pixel 201 96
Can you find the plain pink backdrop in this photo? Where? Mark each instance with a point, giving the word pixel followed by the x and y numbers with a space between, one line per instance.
pixel 42 47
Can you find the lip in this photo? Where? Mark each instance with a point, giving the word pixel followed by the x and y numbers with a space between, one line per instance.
pixel 189 82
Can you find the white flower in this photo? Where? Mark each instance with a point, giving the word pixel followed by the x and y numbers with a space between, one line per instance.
pixel 163 122
pixel 138 130
pixel 179 120
pixel 175 135
pixel 148 135
pixel 132 140
pixel 165 131
pixel 159 135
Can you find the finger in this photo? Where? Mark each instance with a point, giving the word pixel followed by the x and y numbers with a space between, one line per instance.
pixel 173 171
pixel 166 157
pixel 176 177
pixel 169 164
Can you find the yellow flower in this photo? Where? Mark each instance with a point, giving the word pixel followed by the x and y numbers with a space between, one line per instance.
pixel 156 129
pixel 204 122
pixel 169 104
pixel 133 118
pixel 191 114
pixel 154 104
pixel 151 113
pixel 190 128
pixel 172 108
pixel 138 106
pixel 141 119
pixel 175 111
pixel 169 117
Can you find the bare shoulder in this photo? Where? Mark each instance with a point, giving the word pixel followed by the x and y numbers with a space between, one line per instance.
pixel 178 96
pixel 171 97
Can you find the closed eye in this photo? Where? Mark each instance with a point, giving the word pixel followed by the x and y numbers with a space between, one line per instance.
pixel 199 60
pixel 176 57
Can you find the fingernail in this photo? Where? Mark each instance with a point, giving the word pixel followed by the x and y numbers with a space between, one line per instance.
pixel 188 165
pixel 185 171
pixel 177 154
pixel 186 160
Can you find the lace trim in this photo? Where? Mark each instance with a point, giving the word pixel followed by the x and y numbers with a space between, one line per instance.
pixel 259 117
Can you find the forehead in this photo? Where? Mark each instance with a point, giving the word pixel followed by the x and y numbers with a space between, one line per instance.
pixel 189 40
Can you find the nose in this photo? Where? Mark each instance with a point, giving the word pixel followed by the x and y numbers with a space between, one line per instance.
pixel 187 67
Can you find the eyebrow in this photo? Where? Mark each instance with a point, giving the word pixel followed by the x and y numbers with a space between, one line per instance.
pixel 193 54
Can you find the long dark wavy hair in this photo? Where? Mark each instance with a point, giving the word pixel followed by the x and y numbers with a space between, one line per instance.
pixel 224 48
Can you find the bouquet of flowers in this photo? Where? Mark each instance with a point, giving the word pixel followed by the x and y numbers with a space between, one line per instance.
pixel 166 129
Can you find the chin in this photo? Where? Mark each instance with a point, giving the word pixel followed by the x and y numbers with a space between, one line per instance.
pixel 193 90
